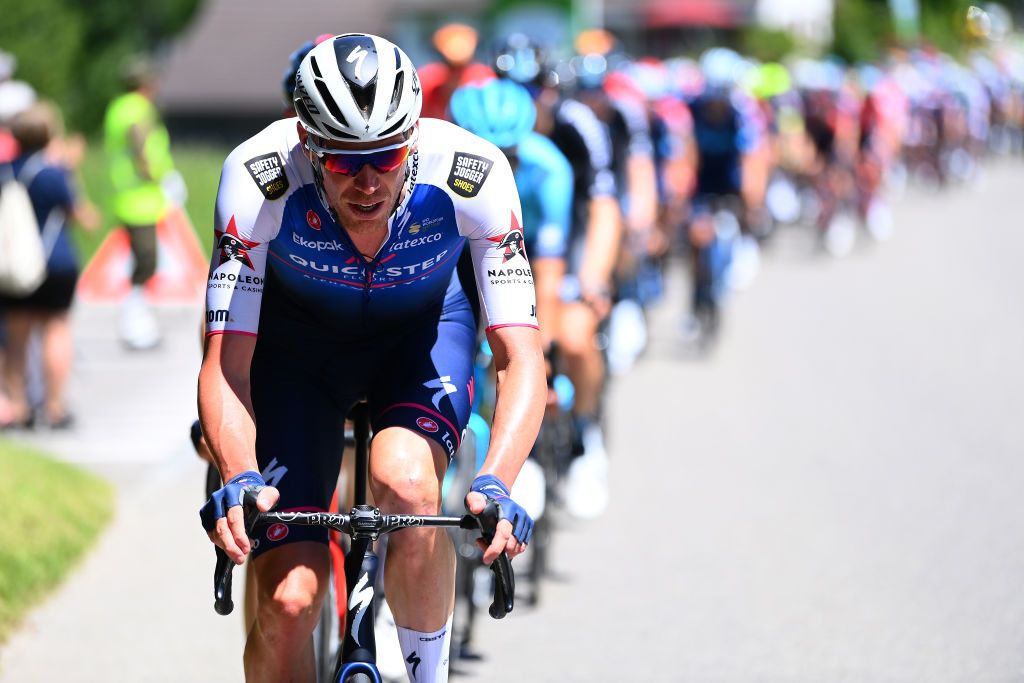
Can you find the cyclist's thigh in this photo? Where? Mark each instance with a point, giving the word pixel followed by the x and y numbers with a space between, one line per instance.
pixel 427 387
pixel 301 394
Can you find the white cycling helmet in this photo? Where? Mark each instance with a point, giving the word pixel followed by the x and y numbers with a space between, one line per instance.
pixel 357 87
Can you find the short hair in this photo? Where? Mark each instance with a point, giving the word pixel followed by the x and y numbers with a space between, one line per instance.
pixel 36 126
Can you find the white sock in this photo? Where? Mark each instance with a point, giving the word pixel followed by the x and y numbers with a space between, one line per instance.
pixel 426 654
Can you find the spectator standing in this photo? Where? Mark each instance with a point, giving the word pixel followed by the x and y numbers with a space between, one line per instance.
pixel 44 165
pixel 138 148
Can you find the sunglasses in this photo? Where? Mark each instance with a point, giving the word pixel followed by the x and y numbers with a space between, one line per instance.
pixel 350 161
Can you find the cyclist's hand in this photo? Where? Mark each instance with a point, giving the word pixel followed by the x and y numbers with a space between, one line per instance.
pixel 224 519
pixel 514 526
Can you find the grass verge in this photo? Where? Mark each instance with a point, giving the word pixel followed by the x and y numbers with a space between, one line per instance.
pixel 54 512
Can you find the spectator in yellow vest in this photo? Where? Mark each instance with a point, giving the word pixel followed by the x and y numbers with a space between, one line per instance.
pixel 138 147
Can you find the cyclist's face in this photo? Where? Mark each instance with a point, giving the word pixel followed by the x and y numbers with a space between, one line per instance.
pixel 362 201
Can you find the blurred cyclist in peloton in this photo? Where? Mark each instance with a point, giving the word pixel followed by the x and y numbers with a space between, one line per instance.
pixel 603 86
pixel 594 241
pixel 727 133
pixel 456 43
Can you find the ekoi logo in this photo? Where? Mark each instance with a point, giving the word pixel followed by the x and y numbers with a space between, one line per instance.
pixel 277 532
pixel 427 425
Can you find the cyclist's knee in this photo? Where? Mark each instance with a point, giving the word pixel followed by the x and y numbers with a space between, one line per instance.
pixel 291 584
pixel 405 472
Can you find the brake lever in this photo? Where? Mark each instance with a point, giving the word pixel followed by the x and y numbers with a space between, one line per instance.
pixel 504 577
pixel 222 573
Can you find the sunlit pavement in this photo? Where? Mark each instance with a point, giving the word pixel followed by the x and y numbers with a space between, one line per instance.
pixel 832 494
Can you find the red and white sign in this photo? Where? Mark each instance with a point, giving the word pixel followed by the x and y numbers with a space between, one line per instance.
pixel 181 270
pixel 276 532
pixel 426 424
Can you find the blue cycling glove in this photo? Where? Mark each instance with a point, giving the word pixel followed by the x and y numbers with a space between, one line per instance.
pixel 228 497
pixel 494 489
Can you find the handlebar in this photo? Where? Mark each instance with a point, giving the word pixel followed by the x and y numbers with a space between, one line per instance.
pixel 368 522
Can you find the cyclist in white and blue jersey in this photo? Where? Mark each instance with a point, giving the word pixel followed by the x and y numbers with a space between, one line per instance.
pixel 349 249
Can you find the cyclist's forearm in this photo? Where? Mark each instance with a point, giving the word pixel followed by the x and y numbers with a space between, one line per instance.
pixel 604 231
pixel 226 414
pixel 519 408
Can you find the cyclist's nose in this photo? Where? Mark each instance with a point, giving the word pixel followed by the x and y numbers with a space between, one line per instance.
pixel 367 180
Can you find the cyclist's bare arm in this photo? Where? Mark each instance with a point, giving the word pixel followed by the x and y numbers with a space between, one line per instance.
pixel 604 232
pixel 643 192
pixel 548 274
pixel 226 414
pixel 519 408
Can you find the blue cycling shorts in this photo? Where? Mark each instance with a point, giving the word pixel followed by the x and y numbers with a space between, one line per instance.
pixel 303 386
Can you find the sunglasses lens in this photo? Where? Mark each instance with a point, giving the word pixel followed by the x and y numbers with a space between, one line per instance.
pixel 350 164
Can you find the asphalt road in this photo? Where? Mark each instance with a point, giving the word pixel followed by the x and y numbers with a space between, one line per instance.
pixel 832 495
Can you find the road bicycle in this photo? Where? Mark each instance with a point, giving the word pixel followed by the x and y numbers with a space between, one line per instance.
pixel 364 524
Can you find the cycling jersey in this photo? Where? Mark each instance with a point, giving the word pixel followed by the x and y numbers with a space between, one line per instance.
pixel 725 127
pixel 333 327
pixel 268 211
pixel 544 178
pixel 630 133
pixel 583 140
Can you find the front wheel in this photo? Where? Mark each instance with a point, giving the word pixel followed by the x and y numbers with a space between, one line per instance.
pixel 359 678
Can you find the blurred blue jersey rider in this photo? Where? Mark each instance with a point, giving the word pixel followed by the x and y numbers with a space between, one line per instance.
pixel 502 112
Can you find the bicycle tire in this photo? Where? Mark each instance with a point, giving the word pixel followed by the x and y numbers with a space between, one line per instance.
pixel 358 677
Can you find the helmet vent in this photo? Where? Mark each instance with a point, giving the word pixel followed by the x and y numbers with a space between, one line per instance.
pixel 338 133
pixel 303 112
pixel 332 106
pixel 316 67
pixel 397 94
pixel 393 129
pixel 363 97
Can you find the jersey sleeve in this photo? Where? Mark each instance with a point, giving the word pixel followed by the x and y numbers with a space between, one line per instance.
pixel 491 221
pixel 245 222
pixel 555 199
pixel 596 139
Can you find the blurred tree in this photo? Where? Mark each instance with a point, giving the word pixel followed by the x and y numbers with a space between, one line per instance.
pixel 766 44
pixel 73 52
pixel 862 28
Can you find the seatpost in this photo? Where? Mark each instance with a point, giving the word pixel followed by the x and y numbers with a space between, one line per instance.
pixel 361 432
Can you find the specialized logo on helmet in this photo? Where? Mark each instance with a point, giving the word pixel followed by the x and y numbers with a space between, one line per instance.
pixel 234 248
pixel 267 172
pixel 511 243
pixel 357 59
pixel 468 174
